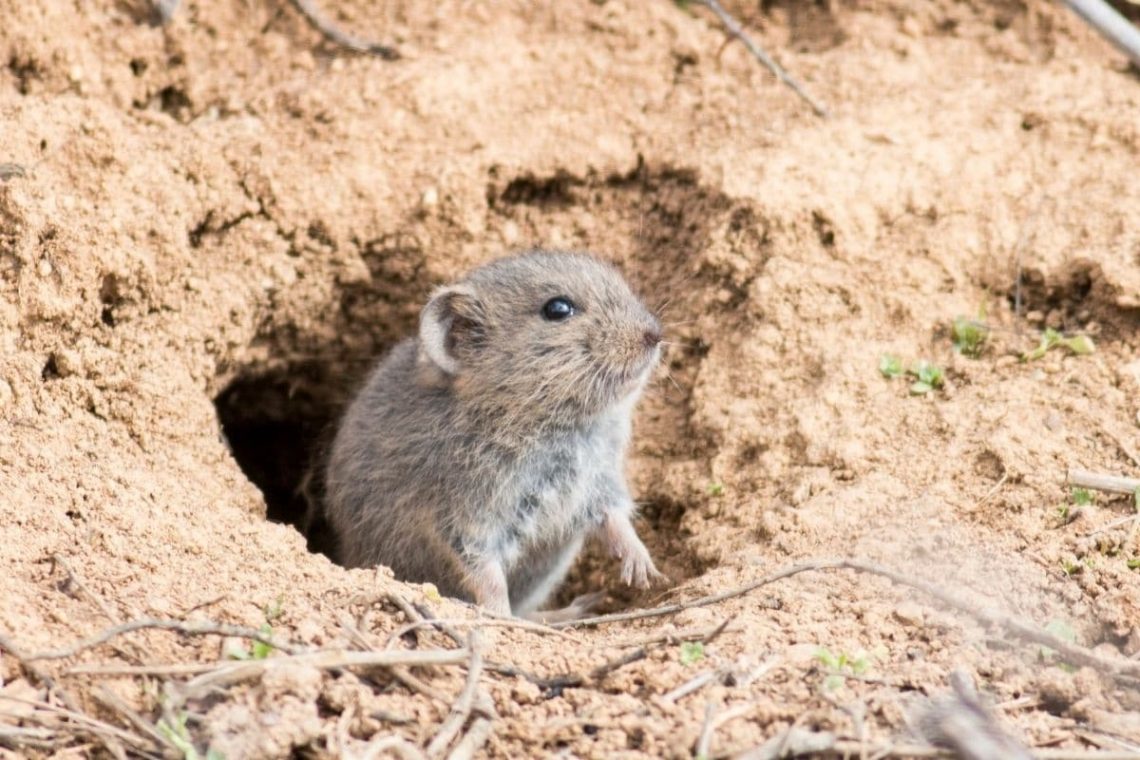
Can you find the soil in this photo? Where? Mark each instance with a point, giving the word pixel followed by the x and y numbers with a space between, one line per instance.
pixel 222 222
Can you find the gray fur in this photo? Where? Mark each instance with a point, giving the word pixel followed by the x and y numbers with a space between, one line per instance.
pixel 493 443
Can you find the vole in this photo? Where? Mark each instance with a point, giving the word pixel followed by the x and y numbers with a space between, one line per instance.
pixel 480 454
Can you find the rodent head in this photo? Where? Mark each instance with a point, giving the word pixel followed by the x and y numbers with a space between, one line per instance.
pixel 543 337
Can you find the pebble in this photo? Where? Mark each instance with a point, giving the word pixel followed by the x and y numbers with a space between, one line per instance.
pixel 909 613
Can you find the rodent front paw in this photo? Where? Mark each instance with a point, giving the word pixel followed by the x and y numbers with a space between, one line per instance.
pixel 637 569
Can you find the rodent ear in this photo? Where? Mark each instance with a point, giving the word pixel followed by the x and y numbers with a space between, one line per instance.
pixel 451 325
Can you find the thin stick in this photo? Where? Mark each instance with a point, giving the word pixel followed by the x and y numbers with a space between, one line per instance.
pixel 228 673
pixel 1115 523
pixel 461 709
pixel 1110 24
pixel 695 683
pixel 165 10
pixel 1072 653
pixel 1101 482
pixel 113 702
pixel 203 628
pixel 9 646
pixel 479 732
pixel 334 33
pixel 732 26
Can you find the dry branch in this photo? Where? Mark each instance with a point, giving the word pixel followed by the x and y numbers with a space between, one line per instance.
pixel 461 709
pixel 203 628
pixel 1101 482
pixel 1072 653
pixel 732 26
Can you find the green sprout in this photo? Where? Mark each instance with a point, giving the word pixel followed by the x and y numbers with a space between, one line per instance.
pixel 1050 338
pixel 178 734
pixel 970 335
pixel 1133 564
pixel 1082 497
pixel 692 652
pixel 715 488
pixel 840 665
pixel 927 377
pixel 1071 568
pixel 1064 513
pixel 890 366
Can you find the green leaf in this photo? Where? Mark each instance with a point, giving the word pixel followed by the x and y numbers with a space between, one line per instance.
pixel 1133 564
pixel 969 336
pixel 1080 345
pixel 920 388
pixel 1082 497
pixel 691 652
pixel 716 489
pixel 890 366
pixel 259 650
pixel 928 373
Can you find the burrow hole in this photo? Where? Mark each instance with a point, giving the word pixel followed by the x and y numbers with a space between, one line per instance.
pixel 279 416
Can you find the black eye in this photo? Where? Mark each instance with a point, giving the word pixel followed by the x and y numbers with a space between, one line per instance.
pixel 558 309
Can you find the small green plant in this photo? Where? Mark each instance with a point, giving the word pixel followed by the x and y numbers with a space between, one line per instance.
pixel 927 377
pixel 692 652
pixel 178 734
pixel 1082 497
pixel 890 366
pixel 1133 564
pixel 1050 338
pixel 715 488
pixel 259 650
pixel 840 665
pixel 970 335
pixel 1064 514
pixel 1071 568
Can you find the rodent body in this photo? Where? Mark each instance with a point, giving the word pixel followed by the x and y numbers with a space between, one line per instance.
pixel 482 453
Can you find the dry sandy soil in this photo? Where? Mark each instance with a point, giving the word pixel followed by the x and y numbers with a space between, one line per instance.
pixel 221 223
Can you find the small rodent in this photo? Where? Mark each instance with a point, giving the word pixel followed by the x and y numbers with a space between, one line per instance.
pixel 480 454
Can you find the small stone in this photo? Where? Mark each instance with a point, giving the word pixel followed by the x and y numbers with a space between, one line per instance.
pixel 430 197
pixel 44 268
pixel 909 613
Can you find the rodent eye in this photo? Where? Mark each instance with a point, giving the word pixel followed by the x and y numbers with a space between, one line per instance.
pixel 558 309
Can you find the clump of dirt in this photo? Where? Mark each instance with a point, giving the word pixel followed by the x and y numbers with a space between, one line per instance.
pixel 221 223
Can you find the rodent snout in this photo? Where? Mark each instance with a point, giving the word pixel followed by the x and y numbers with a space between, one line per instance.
pixel 651 337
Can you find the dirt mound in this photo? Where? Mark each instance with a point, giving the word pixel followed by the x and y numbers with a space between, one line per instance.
pixel 222 222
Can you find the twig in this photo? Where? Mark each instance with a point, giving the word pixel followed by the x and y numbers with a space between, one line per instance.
pixel 524 625
pixel 479 732
pixel 82 722
pixel 1110 24
pixel 165 10
pixel 1101 482
pixel 1072 653
pixel 1115 523
pixel 112 701
pixel 9 646
pixel 334 33
pixel 695 683
pixel 461 709
pixel 396 744
pixel 732 26
pixel 228 673
pixel 203 628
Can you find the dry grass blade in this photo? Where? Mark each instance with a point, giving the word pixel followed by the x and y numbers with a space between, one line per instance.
pixel 961 722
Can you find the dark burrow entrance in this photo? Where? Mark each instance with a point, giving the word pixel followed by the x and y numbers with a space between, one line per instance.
pixel 279 416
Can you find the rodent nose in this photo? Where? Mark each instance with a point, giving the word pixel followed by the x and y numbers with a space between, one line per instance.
pixel 651 337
